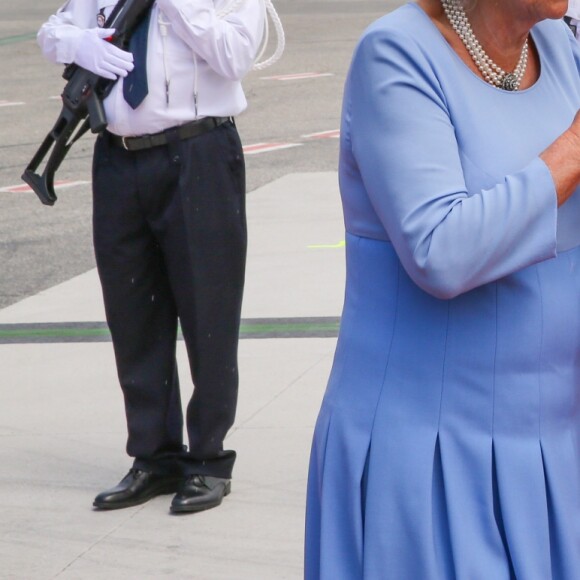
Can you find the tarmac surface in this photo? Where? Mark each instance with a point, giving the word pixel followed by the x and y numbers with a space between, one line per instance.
pixel 62 426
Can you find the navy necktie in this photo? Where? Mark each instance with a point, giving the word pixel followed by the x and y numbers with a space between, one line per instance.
pixel 135 87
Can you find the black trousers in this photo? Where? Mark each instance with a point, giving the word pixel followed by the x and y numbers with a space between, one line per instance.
pixel 170 241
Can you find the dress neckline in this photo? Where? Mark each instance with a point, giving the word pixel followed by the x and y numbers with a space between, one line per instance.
pixel 497 90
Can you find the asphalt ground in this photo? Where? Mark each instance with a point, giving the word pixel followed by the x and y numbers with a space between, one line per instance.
pixel 42 246
pixel 62 428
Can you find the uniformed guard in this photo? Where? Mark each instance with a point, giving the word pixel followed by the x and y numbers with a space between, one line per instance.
pixel 170 228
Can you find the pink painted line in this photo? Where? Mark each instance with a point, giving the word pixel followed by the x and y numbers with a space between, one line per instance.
pixel 297 76
pixel 25 188
pixel 11 103
pixel 323 135
pixel 267 147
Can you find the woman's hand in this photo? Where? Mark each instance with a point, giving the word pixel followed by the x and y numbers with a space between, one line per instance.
pixel 563 160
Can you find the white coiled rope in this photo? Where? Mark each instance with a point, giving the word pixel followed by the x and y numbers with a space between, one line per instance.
pixel 281 39
pixel 258 64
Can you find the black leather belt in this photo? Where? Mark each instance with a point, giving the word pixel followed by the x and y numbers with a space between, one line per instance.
pixel 186 131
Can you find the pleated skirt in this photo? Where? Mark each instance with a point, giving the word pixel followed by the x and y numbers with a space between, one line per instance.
pixel 447 445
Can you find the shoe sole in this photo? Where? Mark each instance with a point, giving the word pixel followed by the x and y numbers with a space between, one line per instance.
pixel 165 490
pixel 203 507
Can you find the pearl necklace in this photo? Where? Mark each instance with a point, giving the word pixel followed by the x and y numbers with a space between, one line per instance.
pixel 492 73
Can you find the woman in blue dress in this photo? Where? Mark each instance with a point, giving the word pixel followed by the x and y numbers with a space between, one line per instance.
pixel 448 443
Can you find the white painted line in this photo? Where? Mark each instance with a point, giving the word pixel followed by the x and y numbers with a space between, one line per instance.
pixel 297 76
pixel 323 135
pixel 57 185
pixel 267 147
pixel 11 103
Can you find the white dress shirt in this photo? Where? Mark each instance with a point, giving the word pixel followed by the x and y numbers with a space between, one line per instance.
pixel 196 59
pixel 574 14
pixel 574 9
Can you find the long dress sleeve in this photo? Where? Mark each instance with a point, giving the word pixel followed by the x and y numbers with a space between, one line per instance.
pixel 403 143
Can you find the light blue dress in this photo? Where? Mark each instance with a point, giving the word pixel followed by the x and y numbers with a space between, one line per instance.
pixel 447 446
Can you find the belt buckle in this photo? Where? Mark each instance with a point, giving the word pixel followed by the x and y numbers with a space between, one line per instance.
pixel 124 143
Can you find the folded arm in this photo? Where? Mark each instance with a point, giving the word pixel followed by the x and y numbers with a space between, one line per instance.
pixel 71 35
pixel 228 44
pixel 449 239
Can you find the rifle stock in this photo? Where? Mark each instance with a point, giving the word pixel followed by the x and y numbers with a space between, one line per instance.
pixel 82 104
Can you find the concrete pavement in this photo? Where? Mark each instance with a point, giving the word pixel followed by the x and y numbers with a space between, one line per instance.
pixel 62 428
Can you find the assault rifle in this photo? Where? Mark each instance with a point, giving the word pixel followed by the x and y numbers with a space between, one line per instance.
pixel 82 100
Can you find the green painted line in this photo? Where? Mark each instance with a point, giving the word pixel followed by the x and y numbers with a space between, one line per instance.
pixel 62 332
pixel 18 38
pixel 40 333
pixel 272 328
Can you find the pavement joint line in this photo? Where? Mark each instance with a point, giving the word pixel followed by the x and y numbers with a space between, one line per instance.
pixel 97 331
pixel 277 396
pixel 101 539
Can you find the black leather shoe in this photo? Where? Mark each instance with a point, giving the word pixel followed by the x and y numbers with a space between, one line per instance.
pixel 135 488
pixel 200 492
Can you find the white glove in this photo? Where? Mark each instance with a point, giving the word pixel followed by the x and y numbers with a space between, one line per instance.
pixel 101 57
